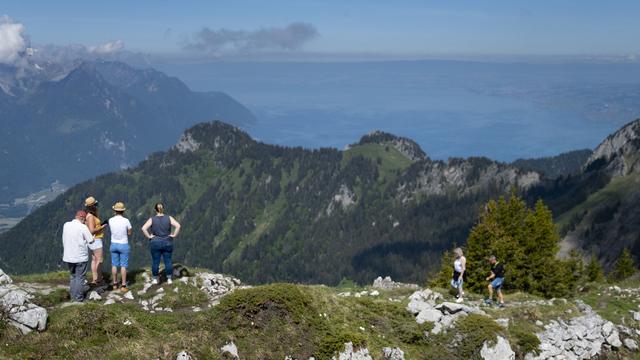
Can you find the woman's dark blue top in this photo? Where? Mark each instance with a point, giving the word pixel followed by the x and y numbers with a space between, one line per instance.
pixel 161 227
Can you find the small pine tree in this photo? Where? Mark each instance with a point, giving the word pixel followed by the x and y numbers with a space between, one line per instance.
pixel 576 265
pixel 624 267
pixel 443 277
pixel 594 271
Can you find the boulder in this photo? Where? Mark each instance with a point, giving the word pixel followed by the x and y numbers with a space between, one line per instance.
pixel 350 354
pixel 501 350
pixel 94 296
pixel 183 355
pixel 614 339
pixel 431 315
pixel 392 353
pixel 4 278
pixel 21 313
pixel 230 349
pixel 631 344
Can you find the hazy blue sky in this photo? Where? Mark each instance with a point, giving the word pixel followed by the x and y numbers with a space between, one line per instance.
pixel 339 26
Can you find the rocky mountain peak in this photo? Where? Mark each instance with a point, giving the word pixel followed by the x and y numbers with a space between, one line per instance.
pixel 212 136
pixel 619 153
pixel 406 146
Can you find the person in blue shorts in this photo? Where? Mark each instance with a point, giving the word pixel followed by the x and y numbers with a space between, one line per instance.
pixel 497 279
pixel 120 231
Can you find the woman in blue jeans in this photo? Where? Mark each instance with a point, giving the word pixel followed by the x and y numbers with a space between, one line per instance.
pixel 161 244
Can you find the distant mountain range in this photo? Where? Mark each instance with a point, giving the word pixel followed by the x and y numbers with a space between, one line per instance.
pixel 70 122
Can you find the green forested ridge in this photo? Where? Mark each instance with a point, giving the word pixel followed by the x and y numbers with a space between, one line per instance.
pixel 555 166
pixel 267 213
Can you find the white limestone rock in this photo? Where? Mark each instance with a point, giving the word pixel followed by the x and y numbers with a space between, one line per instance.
pixel 501 350
pixel 95 296
pixel 431 315
pixel 183 355
pixel 32 316
pixel 231 349
pixel 392 353
pixel 4 278
pixel 350 354
pixel 631 344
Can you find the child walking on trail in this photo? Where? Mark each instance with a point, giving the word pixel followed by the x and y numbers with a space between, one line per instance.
pixel 497 279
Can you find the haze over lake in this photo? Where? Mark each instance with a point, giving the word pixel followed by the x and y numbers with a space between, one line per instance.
pixel 451 108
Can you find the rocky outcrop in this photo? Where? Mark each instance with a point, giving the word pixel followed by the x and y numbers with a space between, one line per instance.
pixel 216 285
pixel 582 337
pixel 466 176
pixel 501 350
pixel 187 144
pixel 16 305
pixel 422 303
pixel 618 153
pixel 388 284
pixel 350 354
pixel 343 199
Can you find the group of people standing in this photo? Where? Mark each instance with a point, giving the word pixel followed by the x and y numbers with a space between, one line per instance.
pixel 495 278
pixel 85 234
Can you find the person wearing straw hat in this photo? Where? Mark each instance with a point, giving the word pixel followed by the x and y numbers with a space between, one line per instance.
pixel 96 227
pixel 120 228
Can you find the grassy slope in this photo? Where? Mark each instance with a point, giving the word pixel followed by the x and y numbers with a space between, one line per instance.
pixel 391 160
pixel 273 321
pixel 615 191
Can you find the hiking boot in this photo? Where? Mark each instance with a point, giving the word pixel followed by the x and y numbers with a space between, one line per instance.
pixel 124 289
pixel 114 287
pixel 169 281
pixel 154 281
pixel 501 305
pixel 488 301
pixel 459 300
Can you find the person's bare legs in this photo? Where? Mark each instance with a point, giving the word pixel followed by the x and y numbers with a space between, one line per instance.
pixel 490 292
pixel 96 261
pixel 114 275
pixel 123 274
pixel 500 296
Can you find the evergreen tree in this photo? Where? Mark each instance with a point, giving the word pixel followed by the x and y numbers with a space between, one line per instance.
pixel 594 269
pixel 624 267
pixel 576 265
pixel 443 277
pixel 525 241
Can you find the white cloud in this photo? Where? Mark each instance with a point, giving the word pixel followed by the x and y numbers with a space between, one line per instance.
pixel 12 40
pixel 288 38
pixel 107 48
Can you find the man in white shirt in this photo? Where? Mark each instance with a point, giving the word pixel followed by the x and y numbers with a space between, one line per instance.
pixel 120 228
pixel 76 238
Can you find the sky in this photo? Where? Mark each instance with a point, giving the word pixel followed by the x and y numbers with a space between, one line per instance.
pixel 397 28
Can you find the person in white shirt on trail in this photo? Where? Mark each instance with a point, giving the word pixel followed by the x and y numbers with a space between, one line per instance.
pixel 459 267
pixel 120 231
pixel 76 238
